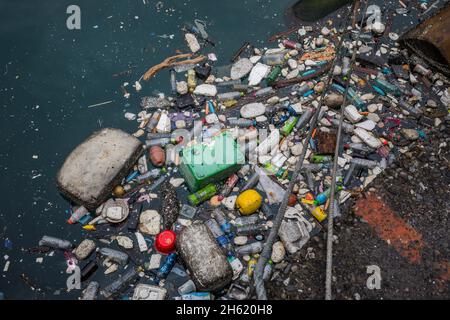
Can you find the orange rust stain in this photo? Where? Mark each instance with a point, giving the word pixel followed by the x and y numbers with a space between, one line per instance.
pixel 391 228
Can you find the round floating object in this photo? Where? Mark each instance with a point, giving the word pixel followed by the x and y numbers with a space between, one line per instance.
pixel 165 241
pixel 248 202
pixel 115 211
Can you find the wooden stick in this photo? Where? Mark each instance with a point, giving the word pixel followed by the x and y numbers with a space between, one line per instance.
pixel 170 62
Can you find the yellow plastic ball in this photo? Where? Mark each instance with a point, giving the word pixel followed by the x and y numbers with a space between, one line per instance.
pixel 248 202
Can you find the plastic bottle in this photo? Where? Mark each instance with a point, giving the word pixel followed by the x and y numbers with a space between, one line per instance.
pixel 359 147
pixel 271 110
pixel 323 197
pixel 187 287
pixel 264 92
pixel 278 172
pixel 352 95
pixel 158 135
pixel 310 179
pixel 88 270
pixel 197 296
pixel 167 266
pixel 251 248
pixel 268 269
pixel 153 122
pixel 304 118
pixel 218 234
pixel 357 101
pixel 191 80
pixel 345 65
pixel 173 81
pixel 196 130
pixel 348 128
pixel 90 293
pixel 221 219
pixel 251 266
pixel 273 75
pixel 408 108
pixel 320 158
pixel 233 95
pixel 302 89
pixel 246 220
pixel 56 243
pixel 162 142
pixel 156 183
pixel 388 87
pixel 365 163
pixel 275 59
pixel 251 229
pixel 422 70
pixel 241 123
pixel 244 88
pixel 115 255
pixel 115 287
pixel 202 195
pixel 289 125
pixel 230 183
pixel 236 265
pixel 292 45
pixel 152 174
pixel 251 182
pixel 229 83
pixel 77 215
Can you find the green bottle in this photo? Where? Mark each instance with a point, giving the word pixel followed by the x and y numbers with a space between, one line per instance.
pixel 278 172
pixel 202 195
pixel 273 75
pixel 289 125
pixel 320 158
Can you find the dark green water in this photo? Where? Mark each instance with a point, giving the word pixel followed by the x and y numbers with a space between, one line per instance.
pixel 49 75
pixel 312 10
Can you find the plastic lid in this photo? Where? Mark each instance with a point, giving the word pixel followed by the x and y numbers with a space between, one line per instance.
pixel 165 241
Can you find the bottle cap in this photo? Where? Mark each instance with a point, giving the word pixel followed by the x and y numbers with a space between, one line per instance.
pixel 165 241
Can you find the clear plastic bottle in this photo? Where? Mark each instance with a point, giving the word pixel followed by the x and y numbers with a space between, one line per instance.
pixel 56 243
pixel 252 248
pixel 246 220
pixel 173 81
pixel 115 255
pixel 216 230
pixel 90 293
pixel 152 174
pixel 78 214
pixel 221 219
pixel 115 287
pixel 233 95
pixel 241 123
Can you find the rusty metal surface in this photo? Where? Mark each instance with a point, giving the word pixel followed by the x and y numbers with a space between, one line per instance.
pixel 430 40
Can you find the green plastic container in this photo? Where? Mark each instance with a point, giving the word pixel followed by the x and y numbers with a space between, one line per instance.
pixel 212 162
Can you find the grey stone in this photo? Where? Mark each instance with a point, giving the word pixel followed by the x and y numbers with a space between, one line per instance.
pixel 97 165
pixel 207 264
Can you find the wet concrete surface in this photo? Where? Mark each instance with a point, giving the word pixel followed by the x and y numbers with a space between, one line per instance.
pixel 415 191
